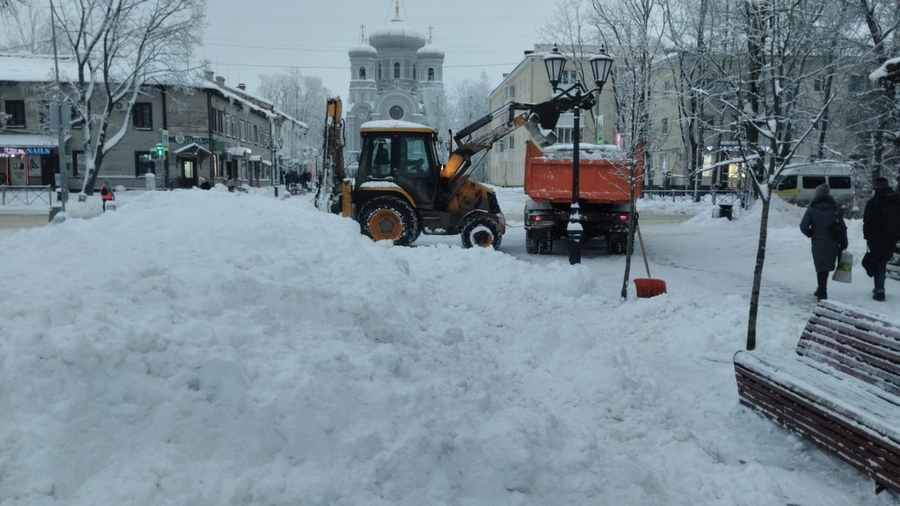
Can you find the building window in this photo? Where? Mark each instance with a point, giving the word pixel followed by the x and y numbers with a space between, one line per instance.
pixel 220 122
pixel 143 116
pixel 242 127
pixel 362 73
pixel 415 76
pixel 143 163
pixel 227 125
pixel 379 71
pixel 665 125
pixel 564 135
pixel 396 70
pixel 431 74
pixel 255 134
pixel 77 162
pixel 15 109
pixel 569 77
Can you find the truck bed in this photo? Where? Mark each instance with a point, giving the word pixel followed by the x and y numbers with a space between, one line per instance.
pixel 600 181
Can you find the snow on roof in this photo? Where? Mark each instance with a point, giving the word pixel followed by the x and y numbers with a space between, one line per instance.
pixel 23 68
pixel 392 123
pixel 206 85
pixel 29 140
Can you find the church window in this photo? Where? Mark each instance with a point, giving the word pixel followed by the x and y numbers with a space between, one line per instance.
pixel 362 73
pixel 431 74
pixel 396 70
pixel 379 71
pixel 414 72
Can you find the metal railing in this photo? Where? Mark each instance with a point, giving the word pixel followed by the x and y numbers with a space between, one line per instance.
pixel 26 194
pixel 741 197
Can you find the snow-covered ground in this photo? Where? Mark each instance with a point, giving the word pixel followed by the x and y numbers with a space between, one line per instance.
pixel 201 347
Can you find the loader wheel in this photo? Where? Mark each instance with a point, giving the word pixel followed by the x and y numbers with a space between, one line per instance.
pixel 389 218
pixel 481 231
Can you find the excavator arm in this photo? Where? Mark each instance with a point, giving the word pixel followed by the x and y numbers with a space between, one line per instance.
pixel 332 154
pixel 534 118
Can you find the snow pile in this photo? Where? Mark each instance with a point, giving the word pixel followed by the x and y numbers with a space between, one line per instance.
pixel 203 347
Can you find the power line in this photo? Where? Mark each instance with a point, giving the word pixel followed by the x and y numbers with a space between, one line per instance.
pixel 347 67
pixel 328 50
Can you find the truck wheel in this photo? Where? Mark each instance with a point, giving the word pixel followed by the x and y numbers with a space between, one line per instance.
pixel 537 246
pixel 481 231
pixel 389 218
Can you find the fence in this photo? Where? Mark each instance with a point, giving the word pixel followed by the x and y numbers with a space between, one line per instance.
pixel 730 198
pixel 26 194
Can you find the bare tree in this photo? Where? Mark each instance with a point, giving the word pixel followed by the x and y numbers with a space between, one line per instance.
pixel 633 31
pixel 301 97
pixel 765 99
pixel 468 101
pixel 26 25
pixel 121 48
pixel 878 110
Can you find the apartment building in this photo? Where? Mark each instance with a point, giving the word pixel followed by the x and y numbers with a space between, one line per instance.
pixel 528 83
pixel 213 132
pixel 720 152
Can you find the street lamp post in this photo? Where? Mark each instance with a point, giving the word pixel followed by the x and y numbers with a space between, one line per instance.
pixel 275 146
pixel 580 98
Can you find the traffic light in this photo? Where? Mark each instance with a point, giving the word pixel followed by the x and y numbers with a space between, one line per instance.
pixel 160 150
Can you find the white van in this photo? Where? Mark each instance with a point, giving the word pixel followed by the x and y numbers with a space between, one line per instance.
pixel 797 182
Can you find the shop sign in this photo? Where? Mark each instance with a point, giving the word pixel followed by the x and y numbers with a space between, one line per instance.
pixel 218 145
pixel 11 152
pixel 187 139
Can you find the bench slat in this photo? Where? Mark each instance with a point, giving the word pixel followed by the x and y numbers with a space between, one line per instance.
pixel 868 369
pixel 855 343
pixel 833 435
pixel 841 391
pixel 848 435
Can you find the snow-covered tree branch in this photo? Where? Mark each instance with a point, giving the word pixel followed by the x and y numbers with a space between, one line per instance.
pixel 121 47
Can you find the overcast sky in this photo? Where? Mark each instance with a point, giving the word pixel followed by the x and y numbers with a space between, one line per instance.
pixel 245 39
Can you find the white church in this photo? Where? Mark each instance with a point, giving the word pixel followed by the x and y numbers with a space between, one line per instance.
pixel 393 72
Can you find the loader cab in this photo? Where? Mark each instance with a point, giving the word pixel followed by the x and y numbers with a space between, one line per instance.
pixel 403 154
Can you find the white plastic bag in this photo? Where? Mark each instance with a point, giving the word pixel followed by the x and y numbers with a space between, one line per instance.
pixel 844 271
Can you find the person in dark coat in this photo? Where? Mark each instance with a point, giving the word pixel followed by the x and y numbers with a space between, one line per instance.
pixel 816 224
pixel 880 242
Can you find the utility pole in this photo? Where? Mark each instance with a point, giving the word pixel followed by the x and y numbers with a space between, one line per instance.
pixel 60 132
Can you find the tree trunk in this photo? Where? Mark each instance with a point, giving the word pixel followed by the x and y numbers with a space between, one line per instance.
pixel 757 274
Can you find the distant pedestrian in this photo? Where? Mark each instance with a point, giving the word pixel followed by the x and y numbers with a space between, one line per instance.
pixel 881 230
pixel 305 179
pixel 230 184
pixel 106 195
pixel 816 224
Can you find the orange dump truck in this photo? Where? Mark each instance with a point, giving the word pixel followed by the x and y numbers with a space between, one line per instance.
pixel 604 176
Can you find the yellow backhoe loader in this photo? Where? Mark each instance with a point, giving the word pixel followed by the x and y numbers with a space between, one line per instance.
pixel 401 189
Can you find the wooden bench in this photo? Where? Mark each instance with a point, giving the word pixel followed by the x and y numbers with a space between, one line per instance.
pixel 841 391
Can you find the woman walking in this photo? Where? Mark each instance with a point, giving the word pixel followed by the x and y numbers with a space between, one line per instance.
pixel 816 224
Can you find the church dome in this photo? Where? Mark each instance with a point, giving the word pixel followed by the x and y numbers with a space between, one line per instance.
pixel 396 34
pixel 363 50
pixel 430 51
